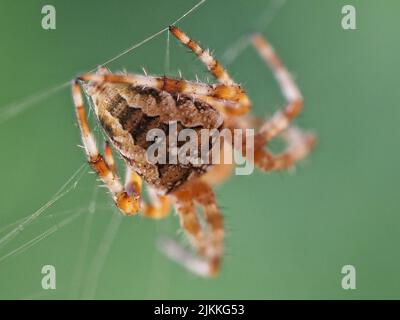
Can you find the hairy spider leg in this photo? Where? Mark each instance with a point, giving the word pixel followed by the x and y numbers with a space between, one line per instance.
pixel 207 240
pixel 281 119
pixel 217 70
pixel 299 143
pixel 227 99
pixel 159 205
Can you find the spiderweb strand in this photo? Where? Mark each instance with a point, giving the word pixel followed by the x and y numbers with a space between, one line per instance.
pixel 48 217
pixel 66 187
pixel 101 255
pixel 40 237
pixel 11 110
pixel 79 267
pixel 167 55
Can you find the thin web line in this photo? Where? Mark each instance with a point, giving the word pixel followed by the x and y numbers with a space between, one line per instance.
pixel 97 264
pixel 65 188
pixel 167 55
pixel 11 110
pixel 84 245
pixel 48 217
pixel 40 237
pixel 159 281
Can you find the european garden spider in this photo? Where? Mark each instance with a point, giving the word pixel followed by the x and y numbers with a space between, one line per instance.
pixel 129 105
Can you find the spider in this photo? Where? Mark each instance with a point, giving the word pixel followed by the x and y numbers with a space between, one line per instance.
pixel 128 105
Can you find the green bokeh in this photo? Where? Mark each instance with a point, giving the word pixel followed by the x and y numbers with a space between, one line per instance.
pixel 288 234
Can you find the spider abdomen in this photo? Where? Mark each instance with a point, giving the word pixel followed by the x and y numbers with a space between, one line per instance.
pixel 129 113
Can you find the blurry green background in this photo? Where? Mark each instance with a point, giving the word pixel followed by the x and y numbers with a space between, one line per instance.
pixel 288 234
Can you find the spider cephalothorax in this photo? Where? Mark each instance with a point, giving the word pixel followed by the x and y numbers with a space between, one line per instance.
pixel 128 106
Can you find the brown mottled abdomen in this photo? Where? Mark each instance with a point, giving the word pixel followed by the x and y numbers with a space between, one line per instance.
pixel 128 113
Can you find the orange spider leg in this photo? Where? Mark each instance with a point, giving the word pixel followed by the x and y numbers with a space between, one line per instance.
pixel 229 89
pixel 208 241
pixel 212 64
pixel 228 99
pixel 281 120
pixel 299 143
pixel 215 221
pixel 108 158
pixel 127 204
pixel 226 107
pixel 159 205
pixel 133 183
